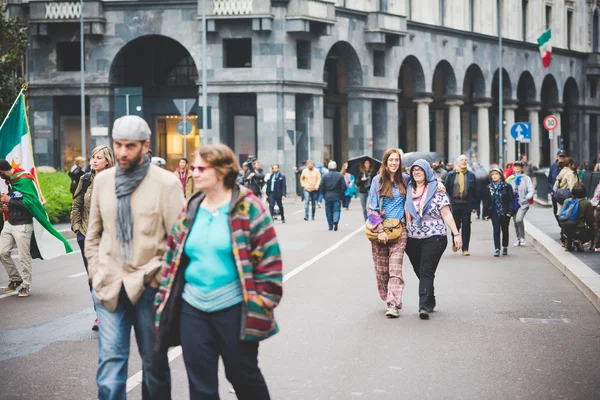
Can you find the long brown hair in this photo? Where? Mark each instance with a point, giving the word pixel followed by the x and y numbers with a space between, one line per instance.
pixel 386 183
pixel 363 169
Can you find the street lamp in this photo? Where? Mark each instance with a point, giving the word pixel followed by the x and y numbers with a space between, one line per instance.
pixel 82 67
pixel 204 98
pixel 500 92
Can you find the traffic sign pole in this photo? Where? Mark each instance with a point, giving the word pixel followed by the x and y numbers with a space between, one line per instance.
pixel 184 128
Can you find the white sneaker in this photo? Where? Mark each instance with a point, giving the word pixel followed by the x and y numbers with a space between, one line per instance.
pixel 517 243
pixel 522 242
pixel 392 312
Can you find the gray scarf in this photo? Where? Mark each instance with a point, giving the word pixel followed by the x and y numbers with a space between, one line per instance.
pixel 126 181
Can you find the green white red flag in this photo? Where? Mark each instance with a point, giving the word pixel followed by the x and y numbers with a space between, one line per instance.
pixel 545 45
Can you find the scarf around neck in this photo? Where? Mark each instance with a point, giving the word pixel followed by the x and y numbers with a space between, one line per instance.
pixel 126 181
pixel 461 181
pixel 417 207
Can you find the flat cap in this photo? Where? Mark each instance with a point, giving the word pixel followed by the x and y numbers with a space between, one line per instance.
pixel 131 127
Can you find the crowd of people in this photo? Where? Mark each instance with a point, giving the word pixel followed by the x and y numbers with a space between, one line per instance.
pixel 191 257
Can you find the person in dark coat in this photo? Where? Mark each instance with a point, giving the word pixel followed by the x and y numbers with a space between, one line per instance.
pixel 499 207
pixel 255 177
pixel 462 188
pixel 482 180
pixel 276 191
pixel 552 174
pixel 75 173
pixel 333 185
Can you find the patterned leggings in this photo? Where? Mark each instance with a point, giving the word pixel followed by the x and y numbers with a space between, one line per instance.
pixel 388 260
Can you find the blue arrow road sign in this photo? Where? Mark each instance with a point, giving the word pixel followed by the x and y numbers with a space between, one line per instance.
pixel 521 131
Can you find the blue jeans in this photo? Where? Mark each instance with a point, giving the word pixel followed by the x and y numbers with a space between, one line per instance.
pixel 114 343
pixel 312 198
pixel 332 210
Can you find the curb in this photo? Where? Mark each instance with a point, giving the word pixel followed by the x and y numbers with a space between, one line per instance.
pixel 541 202
pixel 582 276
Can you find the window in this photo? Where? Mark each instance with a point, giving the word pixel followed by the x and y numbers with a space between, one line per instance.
pixel 472 15
pixel 68 56
pixel 303 54
pixel 548 16
pixel 593 87
pixel 383 6
pixel 596 32
pixel 379 63
pixel 237 53
pixel 409 9
pixel 569 28
pixel 442 12
pixel 524 4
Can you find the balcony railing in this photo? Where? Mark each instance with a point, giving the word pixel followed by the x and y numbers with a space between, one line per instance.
pixel 313 9
pixel 232 7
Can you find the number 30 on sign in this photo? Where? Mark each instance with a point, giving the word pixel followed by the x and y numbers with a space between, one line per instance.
pixel 550 122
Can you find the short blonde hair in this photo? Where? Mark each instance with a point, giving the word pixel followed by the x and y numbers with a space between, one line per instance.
pixel 223 160
pixel 107 153
pixel 79 160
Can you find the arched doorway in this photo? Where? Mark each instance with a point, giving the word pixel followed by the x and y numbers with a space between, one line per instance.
pixel 570 123
pixel 473 91
pixel 342 73
pixel 411 82
pixel 495 132
pixel 527 106
pixel 148 73
pixel 443 88
pixel 550 103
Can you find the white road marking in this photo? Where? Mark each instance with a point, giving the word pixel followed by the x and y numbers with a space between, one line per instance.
pixel 9 294
pixel 78 275
pixel 136 379
pixel 297 212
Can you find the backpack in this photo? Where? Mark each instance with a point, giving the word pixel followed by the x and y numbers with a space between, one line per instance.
pixel 569 213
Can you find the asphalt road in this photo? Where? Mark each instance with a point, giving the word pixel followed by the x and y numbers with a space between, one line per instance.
pixel 505 328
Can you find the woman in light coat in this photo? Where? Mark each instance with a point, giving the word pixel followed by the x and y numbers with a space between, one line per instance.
pixel 523 189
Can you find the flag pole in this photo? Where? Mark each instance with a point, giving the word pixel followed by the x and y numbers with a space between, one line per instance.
pixel 12 107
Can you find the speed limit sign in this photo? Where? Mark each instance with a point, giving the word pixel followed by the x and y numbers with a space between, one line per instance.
pixel 550 122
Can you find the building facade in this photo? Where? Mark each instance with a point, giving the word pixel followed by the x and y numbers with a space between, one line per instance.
pixel 289 80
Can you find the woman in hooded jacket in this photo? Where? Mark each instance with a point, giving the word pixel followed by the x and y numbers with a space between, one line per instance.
pixel 499 207
pixel 427 214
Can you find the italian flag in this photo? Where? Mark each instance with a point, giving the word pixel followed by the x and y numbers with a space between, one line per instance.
pixel 15 147
pixel 545 45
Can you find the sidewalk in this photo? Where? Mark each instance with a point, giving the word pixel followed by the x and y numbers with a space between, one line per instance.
pixel 583 269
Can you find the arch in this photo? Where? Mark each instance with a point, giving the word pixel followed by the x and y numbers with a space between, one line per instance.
pixel 173 65
pixel 350 63
pixel 474 83
pixel 444 79
pixel 507 89
pixel 411 79
pixel 570 119
pixel 526 91
pixel 571 92
pixel 549 92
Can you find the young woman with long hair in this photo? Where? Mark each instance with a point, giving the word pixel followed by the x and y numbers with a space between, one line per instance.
pixel 363 181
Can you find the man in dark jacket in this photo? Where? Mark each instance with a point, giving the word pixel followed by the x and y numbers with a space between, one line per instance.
pixel 276 191
pixel 462 189
pixel 552 174
pixel 255 177
pixel 333 186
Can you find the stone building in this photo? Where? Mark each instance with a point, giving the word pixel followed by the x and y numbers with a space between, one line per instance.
pixel 343 78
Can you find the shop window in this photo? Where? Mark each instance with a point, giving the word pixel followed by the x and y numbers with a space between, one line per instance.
pixel 68 56
pixel 379 63
pixel 303 54
pixel 548 17
pixel 237 53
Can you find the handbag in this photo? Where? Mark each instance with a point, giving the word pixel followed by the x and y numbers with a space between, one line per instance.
pixel 391 226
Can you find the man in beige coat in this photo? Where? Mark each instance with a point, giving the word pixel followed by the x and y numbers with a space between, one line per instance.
pixel 134 206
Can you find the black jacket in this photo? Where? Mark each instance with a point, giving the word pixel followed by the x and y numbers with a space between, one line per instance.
pixel 256 182
pixel 280 185
pixel 506 197
pixel 333 186
pixel 471 188
pixel 75 174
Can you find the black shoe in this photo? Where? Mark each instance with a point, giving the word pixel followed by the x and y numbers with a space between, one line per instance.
pixel 306 218
pixel 431 304
pixel 335 226
pixel 504 251
pixel 497 253
pixel 423 313
pixel 283 220
pixel 12 286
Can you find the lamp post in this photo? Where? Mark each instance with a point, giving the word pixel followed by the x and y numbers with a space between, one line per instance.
pixel 500 92
pixel 82 67
pixel 204 97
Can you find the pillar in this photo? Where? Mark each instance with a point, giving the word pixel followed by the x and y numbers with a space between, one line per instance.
pixel 534 146
pixel 271 141
pixel 317 140
pixel 455 133
pixel 483 134
pixel 511 144
pixel 423 143
pixel 555 141
pixel 41 122
pixel 392 125
pixel 360 129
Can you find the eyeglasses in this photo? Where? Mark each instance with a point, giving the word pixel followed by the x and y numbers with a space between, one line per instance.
pixel 200 168
pixel 419 170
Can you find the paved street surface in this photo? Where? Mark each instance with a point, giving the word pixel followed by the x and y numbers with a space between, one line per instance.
pixel 542 218
pixel 506 328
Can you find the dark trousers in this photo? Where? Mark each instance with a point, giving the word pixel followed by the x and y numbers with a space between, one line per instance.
pixel 583 235
pixel 276 200
pixel 205 337
pixel 462 219
pixel 500 223
pixel 81 243
pixel 333 209
pixel 425 255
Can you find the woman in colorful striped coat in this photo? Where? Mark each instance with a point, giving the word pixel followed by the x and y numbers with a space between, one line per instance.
pixel 222 280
